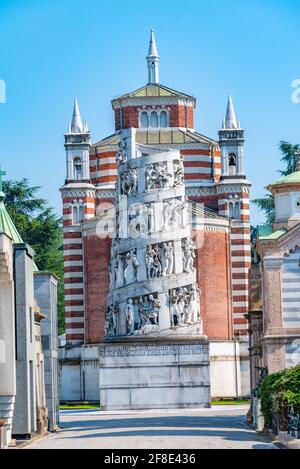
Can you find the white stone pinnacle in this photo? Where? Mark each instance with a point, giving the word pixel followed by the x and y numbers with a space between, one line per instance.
pixel 152 46
pixel 231 121
pixel 76 125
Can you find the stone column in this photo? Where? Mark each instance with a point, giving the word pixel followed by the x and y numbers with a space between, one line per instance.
pixel 7 340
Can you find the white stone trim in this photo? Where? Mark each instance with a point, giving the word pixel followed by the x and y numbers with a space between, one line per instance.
pixel 74 297
pixel 70 331
pixel 240 304
pixel 197 170
pixel 74 320
pixel 75 308
pixel 73 252
pixel 70 286
pixel 73 274
pixel 241 259
pixel 73 264
pixel 240 281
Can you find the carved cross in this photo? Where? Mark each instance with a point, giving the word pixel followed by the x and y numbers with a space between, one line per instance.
pixel 2 173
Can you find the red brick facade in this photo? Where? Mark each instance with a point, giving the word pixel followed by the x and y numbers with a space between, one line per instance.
pixel 97 257
pixel 213 276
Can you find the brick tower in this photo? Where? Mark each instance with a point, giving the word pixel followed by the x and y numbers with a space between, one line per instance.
pixel 78 197
pixel 233 190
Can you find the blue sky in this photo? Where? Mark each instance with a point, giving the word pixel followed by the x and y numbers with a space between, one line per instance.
pixel 54 50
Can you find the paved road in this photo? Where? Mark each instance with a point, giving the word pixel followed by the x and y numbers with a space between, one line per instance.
pixel 219 427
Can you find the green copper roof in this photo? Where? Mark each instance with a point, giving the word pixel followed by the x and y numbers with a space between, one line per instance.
pixel 153 90
pixel 265 232
pixel 293 178
pixel 6 225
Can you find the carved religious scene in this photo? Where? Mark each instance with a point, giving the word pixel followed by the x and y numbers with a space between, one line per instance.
pixel 158 177
pixel 111 320
pixel 122 153
pixel 178 172
pixel 129 182
pixel 160 260
pixel 142 314
pixel 184 305
pixel 138 221
pixel 123 269
pixel 188 255
pixel 173 214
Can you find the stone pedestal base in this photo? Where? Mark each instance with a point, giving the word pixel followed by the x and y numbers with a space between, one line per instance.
pixel 6 415
pixel 154 373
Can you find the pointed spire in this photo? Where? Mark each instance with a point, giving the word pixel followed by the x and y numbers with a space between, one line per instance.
pixel 152 60
pixel 231 121
pixel 152 46
pixel 76 125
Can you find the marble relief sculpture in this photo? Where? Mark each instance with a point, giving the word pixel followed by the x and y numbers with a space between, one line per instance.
pixel 129 182
pixel 184 305
pixel 138 221
pixel 122 153
pixel 157 176
pixel 172 214
pixel 178 172
pixel 152 274
pixel 142 314
pixel 188 254
pixel 160 260
pixel 130 267
pixel 130 317
pixel 111 315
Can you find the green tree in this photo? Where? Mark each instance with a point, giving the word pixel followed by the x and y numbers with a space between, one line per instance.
pixel 40 228
pixel 289 158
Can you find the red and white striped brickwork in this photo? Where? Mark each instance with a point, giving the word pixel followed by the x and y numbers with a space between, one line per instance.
pixel 240 257
pixel 74 262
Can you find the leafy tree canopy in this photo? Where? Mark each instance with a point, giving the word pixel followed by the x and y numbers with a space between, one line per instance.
pixel 289 158
pixel 39 227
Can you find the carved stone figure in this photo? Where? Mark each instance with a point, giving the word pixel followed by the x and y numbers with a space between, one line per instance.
pixel 137 317
pixel 167 258
pixel 111 320
pixel 151 215
pixel 149 258
pixel 130 317
pixel 138 225
pixel 149 310
pixel 129 182
pixel 156 266
pixel 172 213
pixel 122 154
pixel 112 274
pixel 130 267
pixel 154 306
pixel 157 176
pixel 188 255
pixel 174 310
pixel 120 272
pixel 178 172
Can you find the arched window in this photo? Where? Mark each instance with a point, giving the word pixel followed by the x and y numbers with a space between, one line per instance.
pixel 77 169
pixel 234 210
pixel 163 119
pixel 144 119
pixel 77 215
pixel 231 210
pixel 232 164
pixel 237 210
pixel 154 119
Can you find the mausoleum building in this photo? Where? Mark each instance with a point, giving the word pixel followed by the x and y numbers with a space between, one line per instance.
pixel 217 190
